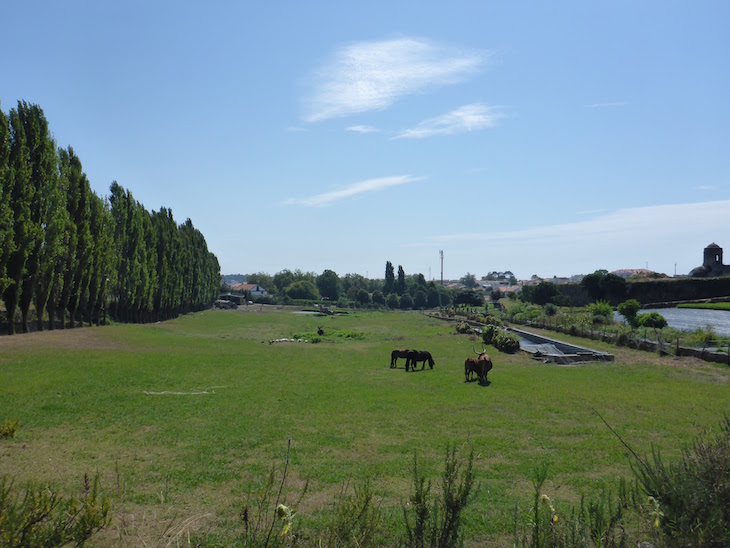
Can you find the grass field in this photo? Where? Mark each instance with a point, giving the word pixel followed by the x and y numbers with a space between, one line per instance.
pixel 181 419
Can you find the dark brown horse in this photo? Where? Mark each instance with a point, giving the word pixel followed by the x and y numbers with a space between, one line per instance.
pixel 471 366
pixel 415 356
pixel 398 354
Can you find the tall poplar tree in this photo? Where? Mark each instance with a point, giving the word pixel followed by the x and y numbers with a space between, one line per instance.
pixel 389 285
pixel 21 197
pixel 6 212
pixel 101 266
pixel 400 284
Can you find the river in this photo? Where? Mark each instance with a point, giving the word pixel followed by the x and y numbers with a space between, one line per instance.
pixel 689 319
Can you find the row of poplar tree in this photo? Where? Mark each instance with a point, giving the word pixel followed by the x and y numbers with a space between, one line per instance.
pixel 76 256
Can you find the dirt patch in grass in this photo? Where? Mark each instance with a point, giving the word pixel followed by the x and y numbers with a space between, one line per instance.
pixel 79 338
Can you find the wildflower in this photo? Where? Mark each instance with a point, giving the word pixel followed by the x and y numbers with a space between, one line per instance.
pixel 283 512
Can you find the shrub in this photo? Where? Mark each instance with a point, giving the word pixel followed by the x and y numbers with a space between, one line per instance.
pixel 690 499
pixel 8 429
pixel 437 522
pixel 42 517
pixel 488 333
pixel 506 341
pixel 652 319
pixel 597 522
pixel 629 309
pixel 601 312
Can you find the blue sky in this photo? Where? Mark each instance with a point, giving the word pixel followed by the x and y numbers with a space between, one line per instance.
pixel 548 138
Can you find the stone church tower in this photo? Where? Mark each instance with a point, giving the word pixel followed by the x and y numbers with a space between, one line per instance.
pixel 712 263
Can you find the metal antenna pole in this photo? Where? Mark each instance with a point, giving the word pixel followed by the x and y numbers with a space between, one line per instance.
pixel 441 252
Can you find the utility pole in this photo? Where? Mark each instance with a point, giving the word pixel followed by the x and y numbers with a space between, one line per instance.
pixel 441 252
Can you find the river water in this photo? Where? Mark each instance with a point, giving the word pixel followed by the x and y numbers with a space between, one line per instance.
pixel 689 319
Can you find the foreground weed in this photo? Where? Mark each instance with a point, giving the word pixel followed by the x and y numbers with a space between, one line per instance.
pixel 42 517
pixel 8 429
pixel 596 523
pixel 357 519
pixel 689 500
pixel 437 521
pixel 261 514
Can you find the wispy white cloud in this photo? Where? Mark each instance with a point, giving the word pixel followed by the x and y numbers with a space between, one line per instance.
pixel 654 236
pixel 618 227
pixel 467 118
pixel 610 104
pixel 366 76
pixel 369 185
pixel 362 129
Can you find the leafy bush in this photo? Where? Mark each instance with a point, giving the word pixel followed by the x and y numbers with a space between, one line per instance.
pixel 488 333
pixel 601 312
pixel 629 309
pixel 437 522
pixel 652 319
pixel 690 499
pixel 356 520
pixel 8 429
pixel 597 522
pixel 506 341
pixel 42 517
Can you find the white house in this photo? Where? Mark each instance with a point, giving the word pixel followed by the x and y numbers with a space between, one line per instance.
pixel 255 290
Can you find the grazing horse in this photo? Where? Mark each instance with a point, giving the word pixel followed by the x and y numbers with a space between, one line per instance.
pixel 415 356
pixel 398 354
pixel 484 365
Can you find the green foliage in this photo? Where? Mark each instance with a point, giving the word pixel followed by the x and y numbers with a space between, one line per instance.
pixel 378 297
pixel 328 284
pixel 42 517
pixel 436 521
pixel 488 333
pixel 601 312
pixel 302 289
pixel 629 309
pixel 551 309
pixel 469 298
pixel 8 428
pixel 599 522
pixel 389 285
pixel 506 341
pixel 540 294
pixel 400 283
pixel 690 499
pixel 406 302
pixel 392 301
pixel 355 520
pixel 469 280
pixel 652 319
pixel 602 285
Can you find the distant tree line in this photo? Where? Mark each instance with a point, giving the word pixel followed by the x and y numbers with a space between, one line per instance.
pixel 76 256
pixel 399 291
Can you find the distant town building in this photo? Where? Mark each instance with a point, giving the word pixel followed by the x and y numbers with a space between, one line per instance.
pixel 254 290
pixel 629 272
pixel 712 264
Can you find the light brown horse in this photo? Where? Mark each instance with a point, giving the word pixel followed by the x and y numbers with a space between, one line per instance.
pixel 484 365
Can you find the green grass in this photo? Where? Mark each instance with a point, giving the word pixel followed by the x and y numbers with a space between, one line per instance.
pixel 711 306
pixel 181 418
